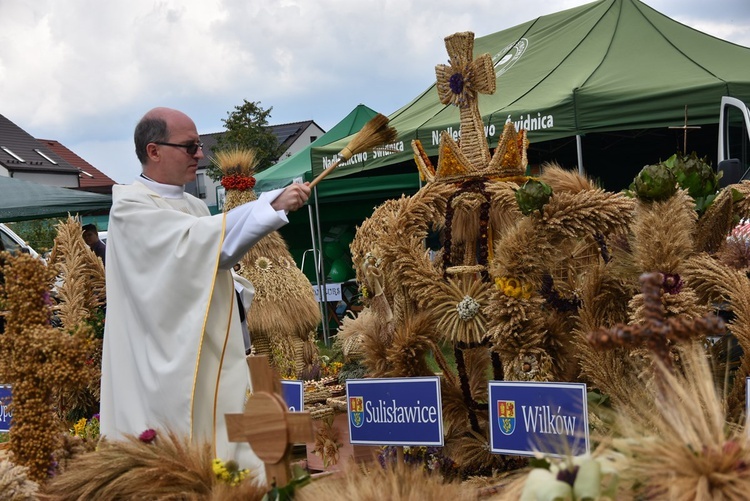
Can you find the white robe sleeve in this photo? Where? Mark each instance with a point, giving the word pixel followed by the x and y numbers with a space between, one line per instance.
pixel 248 223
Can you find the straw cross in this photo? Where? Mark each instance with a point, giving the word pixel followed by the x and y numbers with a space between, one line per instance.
pixel 656 331
pixel 459 83
pixel 267 425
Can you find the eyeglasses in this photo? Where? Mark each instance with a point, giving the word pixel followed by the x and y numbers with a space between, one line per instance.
pixel 191 148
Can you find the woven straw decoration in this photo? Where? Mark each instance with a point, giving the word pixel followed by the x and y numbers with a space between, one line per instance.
pixel 284 308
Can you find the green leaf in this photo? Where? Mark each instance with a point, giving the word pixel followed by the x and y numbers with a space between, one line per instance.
pixel 300 478
pixel 539 463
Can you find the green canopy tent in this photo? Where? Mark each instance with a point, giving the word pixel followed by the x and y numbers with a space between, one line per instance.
pixel 607 67
pixel 298 165
pixel 23 200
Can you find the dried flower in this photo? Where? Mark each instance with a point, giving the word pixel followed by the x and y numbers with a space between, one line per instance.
pixel 467 308
pixel 456 82
pixel 147 436
pixel 327 443
pixel 79 427
pixel 672 283
pixel 263 264
pixel 513 287
pixel 525 367
pixel 457 88
pixel 229 472
pixel 332 369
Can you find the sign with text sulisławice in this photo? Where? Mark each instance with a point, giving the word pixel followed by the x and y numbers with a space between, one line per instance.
pixel 529 417
pixel 395 411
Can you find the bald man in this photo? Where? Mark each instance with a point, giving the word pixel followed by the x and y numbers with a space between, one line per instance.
pixel 174 357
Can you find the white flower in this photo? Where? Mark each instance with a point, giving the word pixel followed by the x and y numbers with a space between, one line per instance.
pixel 467 308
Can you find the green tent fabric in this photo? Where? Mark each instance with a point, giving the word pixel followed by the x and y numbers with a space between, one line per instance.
pixel 298 165
pixel 610 65
pixel 371 187
pixel 23 200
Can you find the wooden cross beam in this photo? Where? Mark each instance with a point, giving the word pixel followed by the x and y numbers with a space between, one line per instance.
pixel 267 425
pixel 685 127
pixel 656 331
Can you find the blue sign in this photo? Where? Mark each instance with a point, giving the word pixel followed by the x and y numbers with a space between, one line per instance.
pixel 5 416
pixel 294 394
pixel 538 417
pixel 395 411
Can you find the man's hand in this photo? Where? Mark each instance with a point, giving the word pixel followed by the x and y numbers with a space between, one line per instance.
pixel 292 198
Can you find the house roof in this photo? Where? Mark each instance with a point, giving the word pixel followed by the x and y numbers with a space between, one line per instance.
pixel 19 151
pixel 89 178
pixel 286 135
pixel 209 141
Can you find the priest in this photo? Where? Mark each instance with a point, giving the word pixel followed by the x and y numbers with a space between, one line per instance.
pixel 173 356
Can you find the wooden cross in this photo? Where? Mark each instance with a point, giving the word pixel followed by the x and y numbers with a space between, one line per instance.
pixel 267 425
pixel 656 330
pixel 685 127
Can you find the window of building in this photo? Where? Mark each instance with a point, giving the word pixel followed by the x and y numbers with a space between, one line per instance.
pixel 45 156
pixel 7 150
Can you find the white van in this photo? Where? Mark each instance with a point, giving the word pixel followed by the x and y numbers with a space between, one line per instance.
pixel 13 243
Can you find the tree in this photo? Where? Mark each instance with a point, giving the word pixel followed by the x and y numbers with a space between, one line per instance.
pixel 38 233
pixel 247 127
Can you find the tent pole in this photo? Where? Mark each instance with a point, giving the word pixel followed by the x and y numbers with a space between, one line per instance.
pixel 579 149
pixel 321 288
pixel 321 265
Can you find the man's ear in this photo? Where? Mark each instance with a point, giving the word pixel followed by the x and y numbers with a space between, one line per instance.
pixel 152 150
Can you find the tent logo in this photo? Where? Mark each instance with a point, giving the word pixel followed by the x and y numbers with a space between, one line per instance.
pixel 508 56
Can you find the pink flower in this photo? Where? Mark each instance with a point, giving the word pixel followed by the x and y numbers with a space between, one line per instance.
pixel 147 436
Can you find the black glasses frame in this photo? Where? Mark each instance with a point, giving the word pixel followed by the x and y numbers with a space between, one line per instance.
pixel 191 148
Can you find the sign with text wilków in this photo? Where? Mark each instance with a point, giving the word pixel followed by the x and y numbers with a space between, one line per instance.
pixel 529 417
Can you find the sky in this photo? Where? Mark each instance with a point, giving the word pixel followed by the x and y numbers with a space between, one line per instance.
pixel 83 72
